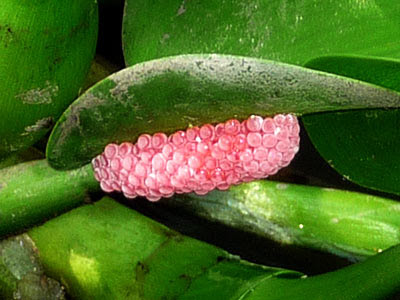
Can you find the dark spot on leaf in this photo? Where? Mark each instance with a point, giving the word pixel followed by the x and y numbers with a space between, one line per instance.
pixel 42 124
pixel 141 269
pixel 184 276
pixel 6 34
pixel 220 258
pixel 57 60
pixel 276 93
pixel 74 119
pixel 170 234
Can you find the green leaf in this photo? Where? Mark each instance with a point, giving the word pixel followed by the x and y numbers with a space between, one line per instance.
pixel 107 251
pixel 363 146
pixel 45 52
pixel 287 31
pixel 296 33
pixel 178 92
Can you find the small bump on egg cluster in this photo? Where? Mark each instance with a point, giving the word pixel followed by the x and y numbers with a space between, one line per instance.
pixel 199 159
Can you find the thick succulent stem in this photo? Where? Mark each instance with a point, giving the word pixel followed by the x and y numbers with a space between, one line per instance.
pixel 348 224
pixel 345 223
pixel 375 278
pixel 33 192
pixel 107 251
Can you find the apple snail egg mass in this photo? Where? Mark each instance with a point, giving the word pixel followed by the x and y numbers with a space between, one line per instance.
pixel 199 159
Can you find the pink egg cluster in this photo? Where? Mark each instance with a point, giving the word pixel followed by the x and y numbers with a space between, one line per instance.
pixel 199 159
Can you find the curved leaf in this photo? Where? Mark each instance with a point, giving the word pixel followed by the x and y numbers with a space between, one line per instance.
pixel 178 92
pixel 46 48
pixel 363 146
pixel 286 31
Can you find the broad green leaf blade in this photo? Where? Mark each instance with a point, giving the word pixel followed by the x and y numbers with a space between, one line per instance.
pixel 174 93
pixel 363 146
pixel 45 52
pixel 150 261
pixel 384 72
pixel 288 31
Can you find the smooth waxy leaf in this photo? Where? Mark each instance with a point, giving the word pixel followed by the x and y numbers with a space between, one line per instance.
pixel 45 52
pixel 150 261
pixel 363 146
pixel 174 93
pixel 292 32
pixel 289 31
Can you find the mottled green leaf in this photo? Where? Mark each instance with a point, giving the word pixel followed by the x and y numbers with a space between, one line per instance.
pixel 45 52
pixel 292 32
pixel 178 92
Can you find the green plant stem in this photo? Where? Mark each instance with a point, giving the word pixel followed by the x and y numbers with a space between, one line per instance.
pixel 33 192
pixel 107 251
pixel 365 281
pixel 348 224
pixel 19 157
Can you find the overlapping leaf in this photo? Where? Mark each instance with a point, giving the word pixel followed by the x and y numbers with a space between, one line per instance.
pixel 364 146
pixel 177 92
